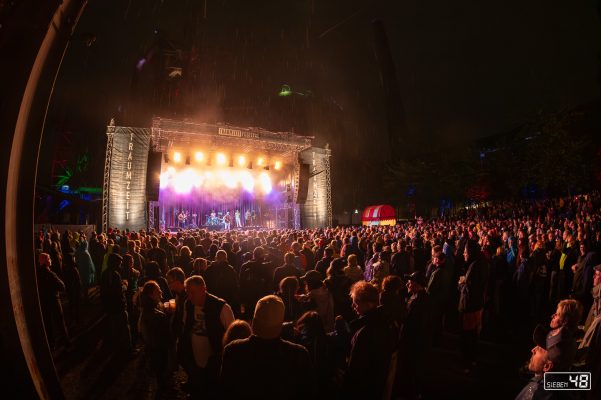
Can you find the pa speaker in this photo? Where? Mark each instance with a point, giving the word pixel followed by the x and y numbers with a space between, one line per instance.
pixel 303 184
pixel 153 176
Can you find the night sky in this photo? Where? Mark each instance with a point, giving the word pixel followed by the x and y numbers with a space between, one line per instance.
pixel 465 69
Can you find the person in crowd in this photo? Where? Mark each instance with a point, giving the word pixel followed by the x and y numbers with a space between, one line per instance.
pixel 87 270
pixel 392 299
pixel 72 281
pixel 204 321
pixel 339 285
pixel 591 343
pixel 185 260
pixel 317 297
pixel 153 326
pixel 415 336
pixel 352 269
pixel 439 284
pixel 583 277
pixel 288 293
pixel 153 273
pixel 309 256
pixel 133 249
pixel 322 265
pixel 252 368
pixel 132 276
pixel 381 268
pixel 471 302
pixel 288 269
pixel 239 329
pixel 255 280
pixel 49 288
pixel 371 361
pixel 222 280
pixel 322 351
pixel 156 254
pixel 545 357
pixel 112 293
pixel 199 267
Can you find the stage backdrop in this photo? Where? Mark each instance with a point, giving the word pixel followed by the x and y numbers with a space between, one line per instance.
pixel 127 187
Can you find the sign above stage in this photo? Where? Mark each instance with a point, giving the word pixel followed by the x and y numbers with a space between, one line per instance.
pixel 238 133
pixel 168 132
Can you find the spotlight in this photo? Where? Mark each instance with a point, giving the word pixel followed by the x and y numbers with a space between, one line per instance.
pixel 260 161
pixel 221 160
pixel 241 161
pixel 277 165
pixel 198 156
pixel 177 156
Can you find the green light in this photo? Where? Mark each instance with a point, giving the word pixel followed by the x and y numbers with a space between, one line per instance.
pixel 285 91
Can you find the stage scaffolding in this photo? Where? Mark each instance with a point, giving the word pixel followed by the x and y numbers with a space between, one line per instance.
pixel 167 135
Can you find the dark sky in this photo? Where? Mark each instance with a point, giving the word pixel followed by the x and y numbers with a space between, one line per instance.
pixel 465 68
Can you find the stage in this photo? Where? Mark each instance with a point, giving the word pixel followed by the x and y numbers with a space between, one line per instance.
pixel 181 174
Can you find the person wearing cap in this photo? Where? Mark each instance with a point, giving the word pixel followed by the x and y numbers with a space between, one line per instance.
pixel 204 321
pixel 318 298
pixel 416 335
pixel 544 358
pixel 371 365
pixel 264 366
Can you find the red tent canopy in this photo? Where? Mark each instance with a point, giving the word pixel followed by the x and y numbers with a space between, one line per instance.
pixel 372 215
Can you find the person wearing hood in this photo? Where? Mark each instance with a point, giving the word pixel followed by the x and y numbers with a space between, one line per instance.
pixel 110 249
pixel 87 270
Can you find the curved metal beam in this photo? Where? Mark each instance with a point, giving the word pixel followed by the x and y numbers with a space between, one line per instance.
pixel 33 40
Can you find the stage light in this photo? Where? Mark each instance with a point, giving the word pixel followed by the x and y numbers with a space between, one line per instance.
pixel 228 179
pixel 184 181
pixel 198 156
pixel 221 160
pixel 260 161
pixel 247 181
pixel 177 156
pixel 241 161
pixel 265 183
pixel 277 165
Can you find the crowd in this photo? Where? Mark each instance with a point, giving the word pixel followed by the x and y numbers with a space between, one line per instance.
pixel 347 312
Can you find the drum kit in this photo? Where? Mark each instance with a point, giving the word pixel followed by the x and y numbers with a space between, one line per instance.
pixel 214 219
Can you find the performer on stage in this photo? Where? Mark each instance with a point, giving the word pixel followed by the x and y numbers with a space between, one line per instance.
pixel 213 218
pixel 247 218
pixel 238 222
pixel 227 220
pixel 181 219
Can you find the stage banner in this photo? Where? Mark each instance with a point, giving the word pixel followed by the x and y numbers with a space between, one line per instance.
pixel 127 185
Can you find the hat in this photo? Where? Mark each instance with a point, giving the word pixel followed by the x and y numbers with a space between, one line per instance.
pixel 268 318
pixel 561 347
pixel 312 276
pixel 417 277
